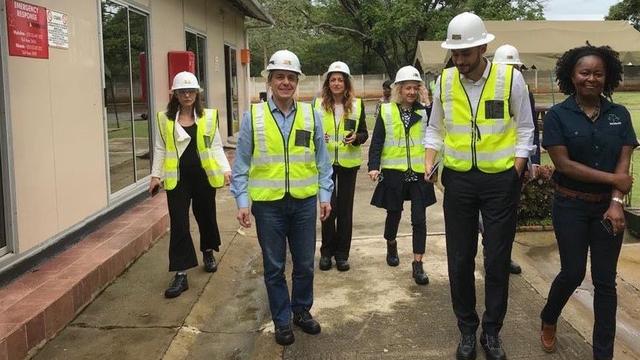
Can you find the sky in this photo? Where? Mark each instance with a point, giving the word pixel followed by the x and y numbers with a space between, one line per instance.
pixel 577 9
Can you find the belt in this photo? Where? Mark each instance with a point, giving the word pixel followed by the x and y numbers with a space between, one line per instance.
pixel 588 197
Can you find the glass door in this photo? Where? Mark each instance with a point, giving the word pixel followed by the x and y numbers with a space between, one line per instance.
pixel 125 42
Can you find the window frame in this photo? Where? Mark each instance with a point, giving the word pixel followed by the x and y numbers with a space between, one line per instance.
pixel 141 184
pixel 205 80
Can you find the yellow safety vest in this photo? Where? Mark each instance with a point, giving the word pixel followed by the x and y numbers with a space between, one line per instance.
pixel 402 151
pixel 207 125
pixel 488 140
pixel 279 165
pixel 345 155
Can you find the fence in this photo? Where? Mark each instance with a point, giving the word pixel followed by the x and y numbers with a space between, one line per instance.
pixel 370 86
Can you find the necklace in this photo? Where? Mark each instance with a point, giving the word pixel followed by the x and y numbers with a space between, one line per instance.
pixel 593 115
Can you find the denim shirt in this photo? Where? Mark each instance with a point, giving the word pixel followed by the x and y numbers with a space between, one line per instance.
pixel 244 152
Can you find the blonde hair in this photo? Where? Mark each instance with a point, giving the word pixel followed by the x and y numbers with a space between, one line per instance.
pixel 347 99
pixel 395 92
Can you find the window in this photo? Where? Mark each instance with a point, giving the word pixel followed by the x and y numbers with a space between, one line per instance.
pixel 125 48
pixel 196 43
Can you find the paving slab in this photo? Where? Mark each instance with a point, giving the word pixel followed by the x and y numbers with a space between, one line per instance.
pixel 107 344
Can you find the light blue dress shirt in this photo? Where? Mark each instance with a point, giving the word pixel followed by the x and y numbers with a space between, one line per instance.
pixel 244 150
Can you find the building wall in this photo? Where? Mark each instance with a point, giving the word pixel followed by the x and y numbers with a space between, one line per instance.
pixel 58 137
pixel 56 110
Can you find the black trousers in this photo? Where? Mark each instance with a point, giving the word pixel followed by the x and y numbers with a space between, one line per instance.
pixel 496 197
pixel 337 228
pixel 192 186
pixel 578 229
pixel 418 219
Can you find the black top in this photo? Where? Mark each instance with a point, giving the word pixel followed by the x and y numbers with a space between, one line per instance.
pixel 189 158
pixel 595 144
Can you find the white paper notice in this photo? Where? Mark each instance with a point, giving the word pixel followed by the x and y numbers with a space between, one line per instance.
pixel 58 26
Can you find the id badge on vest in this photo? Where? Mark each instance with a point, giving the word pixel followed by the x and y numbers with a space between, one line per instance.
pixel 494 109
pixel 207 141
pixel 303 138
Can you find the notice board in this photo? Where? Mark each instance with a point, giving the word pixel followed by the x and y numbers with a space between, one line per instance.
pixel 27 30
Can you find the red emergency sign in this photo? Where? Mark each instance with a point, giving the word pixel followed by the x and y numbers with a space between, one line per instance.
pixel 27 30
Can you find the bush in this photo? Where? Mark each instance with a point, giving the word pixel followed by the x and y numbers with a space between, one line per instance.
pixel 536 198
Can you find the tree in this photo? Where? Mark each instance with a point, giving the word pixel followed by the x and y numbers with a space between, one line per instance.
pixel 626 10
pixel 370 35
pixel 392 28
pixel 315 48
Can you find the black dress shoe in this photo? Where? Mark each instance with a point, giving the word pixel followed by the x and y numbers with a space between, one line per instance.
pixel 392 254
pixel 210 264
pixel 342 265
pixel 284 335
pixel 466 347
pixel 325 263
pixel 177 287
pixel 492 346
pixel 305 321
pixel 419 275
pixel 514 268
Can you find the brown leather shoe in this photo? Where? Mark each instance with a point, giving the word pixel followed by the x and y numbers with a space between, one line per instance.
pixel 548 337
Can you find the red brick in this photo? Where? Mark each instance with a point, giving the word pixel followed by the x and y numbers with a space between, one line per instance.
pixel 20 313
pixel 114 226
pixel 6 329
pixel 11 294
pixel 33 280
pixel 17 344
pixel 118 242
pixel 57 264
pixel 58 315
pixel 79 269
pixel 35 331
pixel 3 350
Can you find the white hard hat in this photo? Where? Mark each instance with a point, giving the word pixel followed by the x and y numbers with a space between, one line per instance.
pixel 465 31
pixel 408 73
pixel 283 60
pixel 185 80
pixel 507 54
pixel 338 66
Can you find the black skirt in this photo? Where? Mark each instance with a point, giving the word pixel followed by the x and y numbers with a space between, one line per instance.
pixel 392 190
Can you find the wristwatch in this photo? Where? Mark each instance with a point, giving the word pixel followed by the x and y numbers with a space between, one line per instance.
pixel 618 200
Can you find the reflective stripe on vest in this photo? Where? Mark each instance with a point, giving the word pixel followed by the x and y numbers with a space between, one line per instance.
pixel 345 155
pixel 487 141
pixel 277 169
pixel 401 152
pixel 206 128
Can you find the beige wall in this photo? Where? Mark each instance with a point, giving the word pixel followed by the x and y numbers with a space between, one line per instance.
pixel 56 108
pixel 58 135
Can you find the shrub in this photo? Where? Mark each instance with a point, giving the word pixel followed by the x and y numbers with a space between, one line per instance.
pixel 536 198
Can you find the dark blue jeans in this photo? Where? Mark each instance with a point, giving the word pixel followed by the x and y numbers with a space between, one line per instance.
pixel 291 221
pixel 578 229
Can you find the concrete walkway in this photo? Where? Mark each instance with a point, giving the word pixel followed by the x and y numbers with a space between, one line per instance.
pixel 370 312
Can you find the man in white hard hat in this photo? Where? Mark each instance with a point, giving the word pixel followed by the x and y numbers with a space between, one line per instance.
pixel 282 165
pixel 481 125
pixel 508 54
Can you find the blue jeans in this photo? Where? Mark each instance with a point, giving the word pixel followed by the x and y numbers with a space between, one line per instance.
pixel 278 222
